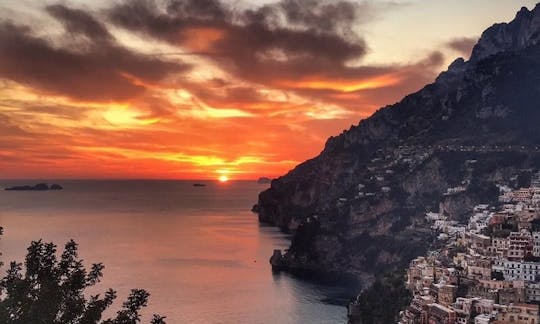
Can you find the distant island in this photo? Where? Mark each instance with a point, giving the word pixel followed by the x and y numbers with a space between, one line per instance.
pixel 264 180
pixel 37 187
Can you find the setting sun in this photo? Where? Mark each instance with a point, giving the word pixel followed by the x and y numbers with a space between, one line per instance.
pixel 223 178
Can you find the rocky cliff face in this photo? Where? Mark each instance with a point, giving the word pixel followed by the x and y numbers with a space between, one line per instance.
pixel 522 32
pixel 358 207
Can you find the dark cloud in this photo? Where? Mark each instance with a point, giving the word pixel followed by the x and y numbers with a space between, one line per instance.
pixel 463 45
pixel 102 70
pixel 281 45
pixel 77 21
pixel 307 46
pixel 282 36
pixel 204 10
pixel 336 17
pixel 170 23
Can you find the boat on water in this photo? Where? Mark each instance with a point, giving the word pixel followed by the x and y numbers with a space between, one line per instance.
pixel 199 185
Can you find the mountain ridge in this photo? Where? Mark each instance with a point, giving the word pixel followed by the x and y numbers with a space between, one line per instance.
pixel 358 207
pixel 521 32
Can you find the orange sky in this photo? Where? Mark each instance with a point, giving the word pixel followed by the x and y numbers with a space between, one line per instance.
pixel 191 89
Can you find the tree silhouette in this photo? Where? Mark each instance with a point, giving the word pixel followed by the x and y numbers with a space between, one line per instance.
pixel 48 290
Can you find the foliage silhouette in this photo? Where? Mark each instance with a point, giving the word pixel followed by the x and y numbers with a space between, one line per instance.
pixel 51 290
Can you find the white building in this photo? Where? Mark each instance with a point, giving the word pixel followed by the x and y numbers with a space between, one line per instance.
pixel 536 244
pixel 520 270
pixel 430 216
pixel 532 292
pixel 482 319
pixel 455 190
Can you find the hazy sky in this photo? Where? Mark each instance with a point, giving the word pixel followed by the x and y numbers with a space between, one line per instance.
pixel 202 88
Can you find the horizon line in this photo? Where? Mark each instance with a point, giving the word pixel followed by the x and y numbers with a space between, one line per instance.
pixel 126 179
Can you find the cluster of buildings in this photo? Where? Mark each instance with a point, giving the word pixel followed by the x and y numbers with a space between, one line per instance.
pixel 487 148
pixel 485 271
pixel 380 170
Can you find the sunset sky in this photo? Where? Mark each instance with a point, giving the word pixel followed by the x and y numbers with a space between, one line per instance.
pixel 195 89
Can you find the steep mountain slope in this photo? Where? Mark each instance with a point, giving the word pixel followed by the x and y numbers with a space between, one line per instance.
pixel 358 207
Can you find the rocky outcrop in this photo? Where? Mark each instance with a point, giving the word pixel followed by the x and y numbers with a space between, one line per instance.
pixel 522 32
pixel 277 261
pixel 358 207
pixel 37 187
pixel 56 187
pixel 20 188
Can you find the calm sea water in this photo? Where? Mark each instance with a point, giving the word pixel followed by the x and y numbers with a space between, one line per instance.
pixel 199 250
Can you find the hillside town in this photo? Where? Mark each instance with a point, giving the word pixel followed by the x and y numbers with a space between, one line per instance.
pixel 485 271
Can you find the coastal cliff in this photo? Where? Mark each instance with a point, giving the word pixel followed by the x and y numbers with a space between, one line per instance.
pixel 358 208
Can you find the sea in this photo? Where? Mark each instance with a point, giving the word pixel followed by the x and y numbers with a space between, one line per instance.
pixel 199 251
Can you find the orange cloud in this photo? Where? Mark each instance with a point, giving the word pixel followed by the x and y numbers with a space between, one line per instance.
pixel 342 85
pixel 245 93
pixel 201 39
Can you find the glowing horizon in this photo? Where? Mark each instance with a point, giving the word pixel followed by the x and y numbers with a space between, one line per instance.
pixel 140 90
